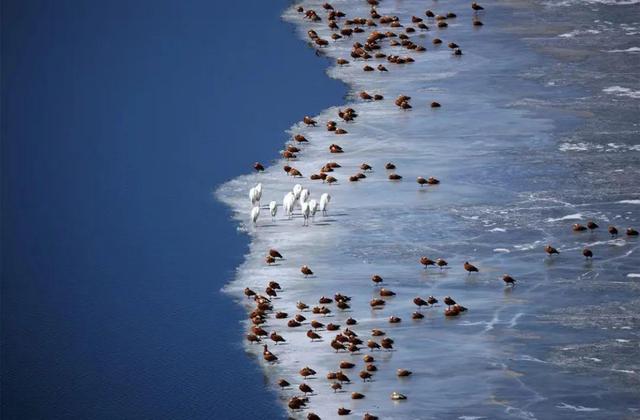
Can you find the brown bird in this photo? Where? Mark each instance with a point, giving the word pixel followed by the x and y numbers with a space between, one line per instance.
pixel 389 166
pixel 377 333
pixel 550 250
pixel 307 371
pixel 333 327
pixel 295 173
pixel 337 346
pixel 313 335
pixel 376 279
pixel 336 386
pixel 592 225
pixel 258 167
pixel 577 227
pixel 346 365
pixel 632 232
pixel 422 181
pixel 432 300
pixel 364 375
pixel 613 231
pixel 403 372
pixel 309 121
pixel 296 403
pixel 316 325
pixel 367 68
pixel 368 358
pixel 368 416
pixel 252 338
pixel 340 376
pixel 351 321
pixel 394 319
pixel 426 262
pixel 277 338
pixel 417 315
pixel 433 181
pixel 313 416
pixel 509 280
pixel 436 41
pixel 306 270
pixel 382 68
pixel 281 315
pixel 260 332
pixel 386 292
pixel 248 292
pixel 420 302
pixel 300 318
pixel 306 389
pixel 470 268
pixel 476 22
pixel 373 345
pixel 475 6
pixel 587 253
pixel 343 411
pixel 292 323
pixel 274 253
pixel 331 180
pixel 268 356
pixel 283 383
pixel 301 305
pixel 365 96
pixel 387 343
pixel 395 177
pixel 371 368
pixel 449 301
pixel 441 263
pixel 342 61
pixel 300 138
pixel 357 396
pixel 366 167
pixel 435 104
pixel 269 260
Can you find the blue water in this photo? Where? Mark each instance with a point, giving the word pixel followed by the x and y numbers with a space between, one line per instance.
pixel 118 120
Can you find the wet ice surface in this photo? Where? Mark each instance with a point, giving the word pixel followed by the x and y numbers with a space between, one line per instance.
pixel 522 155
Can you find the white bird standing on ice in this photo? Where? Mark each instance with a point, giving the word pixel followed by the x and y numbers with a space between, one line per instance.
pixel 273 209
pixel 313 206
pixel 255 212
pixel 304 196
pixel 255 194
pixel 297 189
pixel 306 211
pixel 324 203
pixel 287 204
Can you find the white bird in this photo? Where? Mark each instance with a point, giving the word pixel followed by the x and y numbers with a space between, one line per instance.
pixel 287 203
pixel 313 206
pixel 273 209
pixel 259 190
pixel 304 196
pixel 297 189
pixel 324 203
pixel 306 211
pixel 253 195
pixel 255 212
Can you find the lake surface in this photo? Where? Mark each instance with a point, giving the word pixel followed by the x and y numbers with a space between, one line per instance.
pixel 118 121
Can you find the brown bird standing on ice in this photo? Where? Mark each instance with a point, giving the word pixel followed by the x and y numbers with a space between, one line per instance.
pixel 509 280
pixel 426 262
pixel 470 268
pixel 613 231
pixel 283 383
pixel 550 250
pixel 577 227
pixel 475 6
pixel 441 263
pixel 306 270
pixel 258 167
pixel 592 225
pixel 277 338
pixel 422 181
pixel 299 138
pixel 587 253
pixel 274 253
pixel 395 177
pixel 306 389
pixel 420 302
pixel 307 371
pixel 309 121
pixel 449 301
pixel 632 232
pixel 376 279
pixel 268 356
pixel 313 335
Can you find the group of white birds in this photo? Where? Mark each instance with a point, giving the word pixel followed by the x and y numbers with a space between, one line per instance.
pixel 298 197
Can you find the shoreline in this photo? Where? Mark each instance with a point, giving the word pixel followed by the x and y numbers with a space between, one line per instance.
pixel 253 274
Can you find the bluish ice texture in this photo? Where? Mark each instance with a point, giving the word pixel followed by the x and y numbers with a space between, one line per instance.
pixel 531 138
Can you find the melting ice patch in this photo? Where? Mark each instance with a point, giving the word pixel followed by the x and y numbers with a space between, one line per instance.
pixel 579 408
pixel 576 216
pixel 579 32
pixel 622 91
pixel 628 50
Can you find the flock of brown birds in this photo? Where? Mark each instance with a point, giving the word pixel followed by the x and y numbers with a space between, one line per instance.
pixel 345 339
